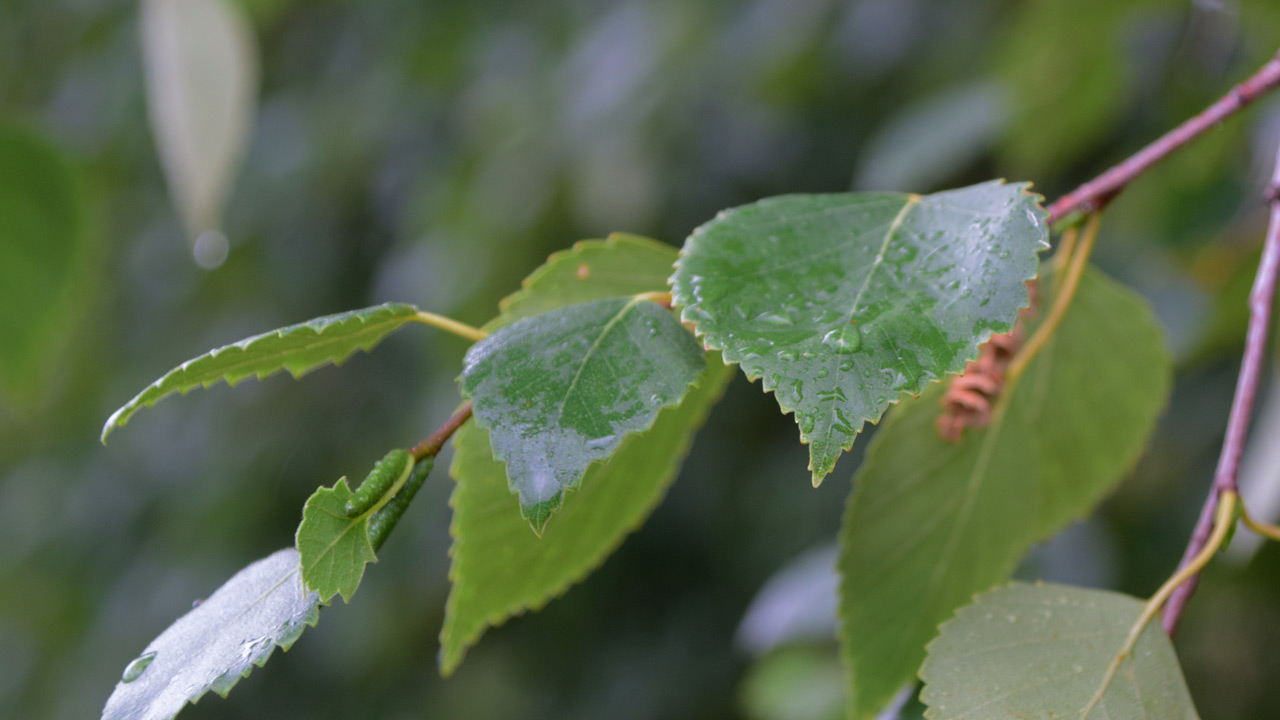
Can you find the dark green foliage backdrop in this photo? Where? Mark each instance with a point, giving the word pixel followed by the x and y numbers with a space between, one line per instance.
pixel 435 153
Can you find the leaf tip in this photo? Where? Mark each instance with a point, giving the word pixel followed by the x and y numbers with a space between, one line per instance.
pixel 539 514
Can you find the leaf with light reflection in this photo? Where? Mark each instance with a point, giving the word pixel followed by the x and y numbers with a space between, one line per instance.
pixel 844 303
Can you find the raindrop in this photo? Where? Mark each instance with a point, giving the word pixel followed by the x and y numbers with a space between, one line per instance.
pixel 843 340
pixel 139 665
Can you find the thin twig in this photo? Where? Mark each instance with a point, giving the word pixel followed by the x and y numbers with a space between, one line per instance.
pixel 1095 194
pixel 434 442
pixel 1255 346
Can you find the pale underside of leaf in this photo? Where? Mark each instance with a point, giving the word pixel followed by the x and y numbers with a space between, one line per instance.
pixel 219 641
pixel 1043 651
pixel 930 523
pixel 843 304
pixel 297 348
pixel 561 390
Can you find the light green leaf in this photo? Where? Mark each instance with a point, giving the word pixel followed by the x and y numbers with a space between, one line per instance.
pixel 298 348
pixel 1043 651
pixel 220 641
pixel 42 250
pixel 845 303
pixel 561 390
pixel 500 569
pixel 335 547
pixel 201 63
pixel 621 266
pixel 931 523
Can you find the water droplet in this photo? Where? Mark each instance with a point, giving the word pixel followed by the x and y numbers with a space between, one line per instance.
pixel 134 670
pixel 843 340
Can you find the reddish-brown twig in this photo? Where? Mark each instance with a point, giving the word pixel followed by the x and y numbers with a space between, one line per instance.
pixel 434 443
pixel 1095 194
pixel 1255 346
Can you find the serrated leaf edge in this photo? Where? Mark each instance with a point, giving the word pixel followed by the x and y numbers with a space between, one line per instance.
pixel 731 358
pixel 499 618
pixel 536 508
pixel 121 416
pixel 359 520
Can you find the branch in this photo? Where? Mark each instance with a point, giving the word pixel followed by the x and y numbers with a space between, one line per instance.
pixel 1095 194
pixel 433 443
pixel 1255 346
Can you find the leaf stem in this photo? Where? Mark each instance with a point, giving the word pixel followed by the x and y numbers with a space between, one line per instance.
pixel 1222 523
pixel 1095 194
pixel 1064 292
pixel 433 443
pixel 1266 530
pixel 450 325
pixel 662 298
pixel 1255 346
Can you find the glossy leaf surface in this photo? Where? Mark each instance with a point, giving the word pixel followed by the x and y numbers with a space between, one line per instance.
pixel 844 303
pixel 334 547
pixel 500 569
pixel 621 266
pixel 561 390
pixel 220 641
pixel 201 64
pixel 931 523
pixel 42 248
pixel 297 348
pixel 1042 651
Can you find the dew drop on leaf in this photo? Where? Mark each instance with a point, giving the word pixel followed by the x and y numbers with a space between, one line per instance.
pixel 134 670
pixel 843 340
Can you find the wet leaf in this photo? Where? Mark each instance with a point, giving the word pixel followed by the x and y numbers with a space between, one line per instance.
pixel 500 569
pixel 201 64
pixel 560 390
pixel 930 523
pixel 220 641
pixel 1043 651
pixel 845 303
pixel 43 246
pixel 297 348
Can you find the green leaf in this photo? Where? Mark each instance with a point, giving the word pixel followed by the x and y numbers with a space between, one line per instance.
pixel 500 569
pixel 1043 651
pixel 560 390
pixel 334 546
pixel 621 266
pixel 220 641
pixel 931 523
pixel 43 248
pixel 201 63
pixel 845 303
pixel 297 348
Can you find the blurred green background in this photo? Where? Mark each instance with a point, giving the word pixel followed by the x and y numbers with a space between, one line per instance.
pixel 435 152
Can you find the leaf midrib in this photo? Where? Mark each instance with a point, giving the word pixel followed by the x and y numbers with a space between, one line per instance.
pixel 595 345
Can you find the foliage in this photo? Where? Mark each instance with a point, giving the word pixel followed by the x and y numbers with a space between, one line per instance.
pixel 431 154
pixel 1046 650
pixel 930 523
pixel 845 303
pixel 298 348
